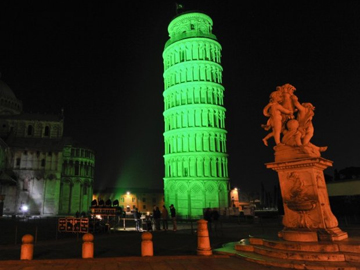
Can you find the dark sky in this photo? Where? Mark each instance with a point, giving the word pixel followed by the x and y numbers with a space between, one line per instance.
pixel 102 62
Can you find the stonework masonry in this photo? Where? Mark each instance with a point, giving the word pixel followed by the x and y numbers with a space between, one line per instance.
pixel 41 170
pixel 196 160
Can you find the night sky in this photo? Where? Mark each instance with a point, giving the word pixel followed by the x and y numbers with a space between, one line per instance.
pixel 102 62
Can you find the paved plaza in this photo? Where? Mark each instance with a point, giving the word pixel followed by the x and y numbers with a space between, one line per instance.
pixel 122 249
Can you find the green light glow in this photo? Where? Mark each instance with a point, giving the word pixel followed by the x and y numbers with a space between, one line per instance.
pixel 196 165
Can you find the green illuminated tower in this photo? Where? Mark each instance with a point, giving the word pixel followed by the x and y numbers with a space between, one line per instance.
pixel 196 163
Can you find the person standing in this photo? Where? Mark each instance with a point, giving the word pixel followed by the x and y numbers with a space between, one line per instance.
pixel 173 217
pixel 137 217
pixel 157 216
pixel 215 217
pixel 164 217
pixel 208 218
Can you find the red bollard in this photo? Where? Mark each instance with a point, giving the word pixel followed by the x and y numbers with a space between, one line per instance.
pixel 27 247
pixel 147 248
pixel 204 248
pixel 88 246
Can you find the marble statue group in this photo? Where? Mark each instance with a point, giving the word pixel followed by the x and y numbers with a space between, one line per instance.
pixel 290 124
pixel 307 212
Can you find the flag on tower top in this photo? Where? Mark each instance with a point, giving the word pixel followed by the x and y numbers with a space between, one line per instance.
pixel 178 7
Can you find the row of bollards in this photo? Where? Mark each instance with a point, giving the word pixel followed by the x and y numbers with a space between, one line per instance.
pixel 147 249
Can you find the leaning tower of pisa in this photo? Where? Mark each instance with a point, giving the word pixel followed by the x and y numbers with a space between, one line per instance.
pixel 196 162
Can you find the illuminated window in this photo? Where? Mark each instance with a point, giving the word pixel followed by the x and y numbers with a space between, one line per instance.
pixel 26 184
pixel 87 170
pixel 76 167
pixel 30 130
pixel 47 131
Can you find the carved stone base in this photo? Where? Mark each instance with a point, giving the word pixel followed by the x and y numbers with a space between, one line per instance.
pixel 333 234
pixel 298 235
pixel 344 255
pixel 307 212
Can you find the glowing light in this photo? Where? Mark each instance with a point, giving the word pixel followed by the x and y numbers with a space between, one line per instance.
pixel 24 208
pixel 196 165
pixel 128 193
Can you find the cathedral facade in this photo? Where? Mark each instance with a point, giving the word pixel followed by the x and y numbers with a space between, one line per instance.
pixel 41 171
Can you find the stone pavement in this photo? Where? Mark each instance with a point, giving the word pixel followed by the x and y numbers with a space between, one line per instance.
pixel 215 262
pixel 172 250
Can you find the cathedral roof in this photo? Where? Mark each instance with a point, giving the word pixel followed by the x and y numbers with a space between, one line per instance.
pixel 34 117
pixel 5 91
pixel 9 104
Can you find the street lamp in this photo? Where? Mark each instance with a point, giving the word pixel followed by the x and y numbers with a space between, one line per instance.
pixel 24 208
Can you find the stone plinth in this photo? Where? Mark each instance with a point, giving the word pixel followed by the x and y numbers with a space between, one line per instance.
pixel 307 212
pixel 324 255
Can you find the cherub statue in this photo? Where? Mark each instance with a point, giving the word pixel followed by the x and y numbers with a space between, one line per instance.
pixel 296 136
pixel 287 91
pixel 292 135
pixel 297 133
pixel 304 116
pixel 274 110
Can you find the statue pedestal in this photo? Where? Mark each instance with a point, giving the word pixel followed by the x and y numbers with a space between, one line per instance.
pixel 307 212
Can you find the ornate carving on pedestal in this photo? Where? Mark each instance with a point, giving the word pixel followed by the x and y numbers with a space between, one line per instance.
pixel 299 200
pixel 307 211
